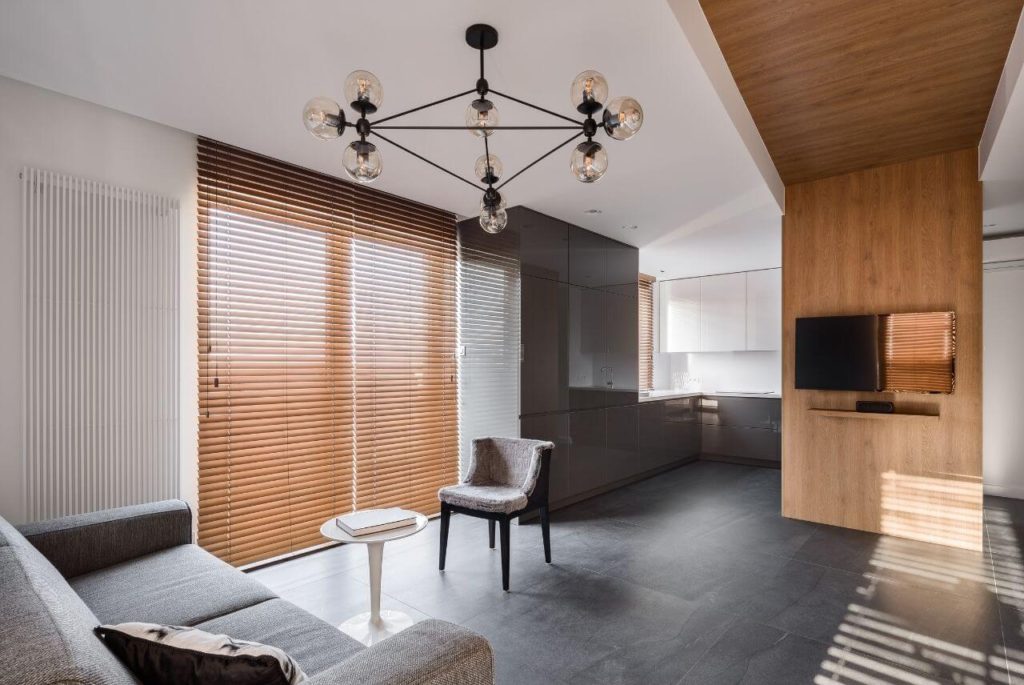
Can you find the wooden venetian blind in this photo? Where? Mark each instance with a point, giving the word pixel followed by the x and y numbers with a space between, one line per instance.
pixel 289 395
pixel 919 352
pixel 646 318
pixel 406 391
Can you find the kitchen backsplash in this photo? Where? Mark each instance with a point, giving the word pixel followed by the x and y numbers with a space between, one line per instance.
pixel 719 371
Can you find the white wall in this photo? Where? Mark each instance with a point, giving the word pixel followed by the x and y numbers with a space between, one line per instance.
pixel 43 129
pixel 1003 364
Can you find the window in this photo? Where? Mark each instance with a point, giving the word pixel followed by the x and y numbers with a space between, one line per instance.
pixel 646 318
pixel 326 341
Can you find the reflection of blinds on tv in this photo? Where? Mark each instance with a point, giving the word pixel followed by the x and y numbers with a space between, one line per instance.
pixel 919 350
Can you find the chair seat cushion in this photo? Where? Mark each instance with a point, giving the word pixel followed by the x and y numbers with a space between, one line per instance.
pixel 181 586
pixel 314 644
pixel 497 499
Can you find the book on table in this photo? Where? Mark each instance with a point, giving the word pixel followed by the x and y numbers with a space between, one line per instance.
pixel 371 521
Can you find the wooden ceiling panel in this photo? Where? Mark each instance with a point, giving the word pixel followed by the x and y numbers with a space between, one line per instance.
pixel 840 85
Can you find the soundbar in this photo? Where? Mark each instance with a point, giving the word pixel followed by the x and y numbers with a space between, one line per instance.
pixel 867 407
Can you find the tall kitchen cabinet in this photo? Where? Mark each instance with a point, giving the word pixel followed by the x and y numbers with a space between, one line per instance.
pixel 579 368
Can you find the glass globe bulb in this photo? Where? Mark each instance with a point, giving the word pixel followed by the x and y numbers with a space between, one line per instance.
pixel 488 168
pixel 481 115
pixel 362 161
pixel 588 162
pixel 588 91
pixel 493 216
pixel 623 117
pixel 493 220
pixel 363 91
pixel 323 118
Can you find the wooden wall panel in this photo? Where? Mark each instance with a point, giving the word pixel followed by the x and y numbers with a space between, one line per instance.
pixel 899 238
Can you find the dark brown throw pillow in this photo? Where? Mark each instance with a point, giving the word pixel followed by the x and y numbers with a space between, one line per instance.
pixel 176 655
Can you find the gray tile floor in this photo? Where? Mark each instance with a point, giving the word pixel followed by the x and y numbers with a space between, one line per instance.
pixel 693 577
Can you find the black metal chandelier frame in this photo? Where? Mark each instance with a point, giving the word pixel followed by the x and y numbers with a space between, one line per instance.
pixel 480 37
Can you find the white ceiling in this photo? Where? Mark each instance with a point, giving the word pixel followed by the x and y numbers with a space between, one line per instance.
pixel 240 71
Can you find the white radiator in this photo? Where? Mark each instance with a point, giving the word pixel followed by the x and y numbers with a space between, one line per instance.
pixel 100 378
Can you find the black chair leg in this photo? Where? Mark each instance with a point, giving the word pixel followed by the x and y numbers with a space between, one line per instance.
pixel 445 519
pixel 490 532
pixel 545 530
pixel 504 553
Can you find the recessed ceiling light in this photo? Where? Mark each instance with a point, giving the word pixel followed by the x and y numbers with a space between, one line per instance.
pixel 591 211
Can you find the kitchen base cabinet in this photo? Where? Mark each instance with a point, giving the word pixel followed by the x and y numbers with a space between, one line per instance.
pixel 745 429
pixel 682 429
pixel 652 447
pixel 757 444
pixel 589 460
pixel 554 428
pixel 623 426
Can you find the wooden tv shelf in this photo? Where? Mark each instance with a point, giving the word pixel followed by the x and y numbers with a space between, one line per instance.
pixel 851 414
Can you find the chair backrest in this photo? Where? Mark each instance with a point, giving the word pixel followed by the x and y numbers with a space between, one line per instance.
pixel 47 627
pixel 516 462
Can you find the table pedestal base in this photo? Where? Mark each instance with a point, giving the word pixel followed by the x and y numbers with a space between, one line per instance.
pixel 369 632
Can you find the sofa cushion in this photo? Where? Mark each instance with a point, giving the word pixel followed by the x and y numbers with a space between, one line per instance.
pixel 182 585
pixel 179 655
pixel 45 629
pixel 314 644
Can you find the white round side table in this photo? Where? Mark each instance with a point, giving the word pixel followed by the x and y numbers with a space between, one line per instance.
pixel 375 625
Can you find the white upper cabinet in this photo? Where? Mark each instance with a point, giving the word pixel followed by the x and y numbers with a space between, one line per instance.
pixel 764 309
pixel 723 313
pixel 679 312
pixel 723 302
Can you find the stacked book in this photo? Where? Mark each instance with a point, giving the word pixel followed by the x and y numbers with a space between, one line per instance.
pixel 372 521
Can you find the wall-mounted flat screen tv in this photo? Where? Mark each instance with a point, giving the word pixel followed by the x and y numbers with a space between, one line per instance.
pixel 913 352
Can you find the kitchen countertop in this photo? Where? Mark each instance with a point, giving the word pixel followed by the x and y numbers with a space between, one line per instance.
pixel 657 395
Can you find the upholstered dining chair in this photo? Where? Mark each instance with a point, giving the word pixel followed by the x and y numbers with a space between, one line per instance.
pixel 508 477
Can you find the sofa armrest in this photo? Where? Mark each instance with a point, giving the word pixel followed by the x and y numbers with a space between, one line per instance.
pixel 428 653
pixel 86 542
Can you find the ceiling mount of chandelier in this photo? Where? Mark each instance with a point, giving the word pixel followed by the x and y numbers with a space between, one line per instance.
pixel 621 119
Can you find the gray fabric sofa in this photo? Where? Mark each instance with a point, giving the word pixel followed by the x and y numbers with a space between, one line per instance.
pixel 60 579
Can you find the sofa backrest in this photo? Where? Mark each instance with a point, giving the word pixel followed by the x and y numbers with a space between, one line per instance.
pixel 45 628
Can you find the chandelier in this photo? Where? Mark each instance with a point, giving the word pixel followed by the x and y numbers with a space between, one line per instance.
pixel 588 161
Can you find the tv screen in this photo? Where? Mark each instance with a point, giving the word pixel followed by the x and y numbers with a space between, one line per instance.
pixel 837 353
pixel 913 352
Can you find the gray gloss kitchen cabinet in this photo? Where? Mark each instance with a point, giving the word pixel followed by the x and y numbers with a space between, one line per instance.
pixel 543 244
pixel 603 349
pixel 589 372
pixel 652 447
pixel 623 268
pixel 544 363
pixel 588 451
pixel 553 427
pixel 742 428
pixel 588 258
pixel 623 444
pixel 622 350
pixel 682 429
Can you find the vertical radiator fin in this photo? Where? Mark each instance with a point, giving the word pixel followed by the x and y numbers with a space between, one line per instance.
pixel 100 374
